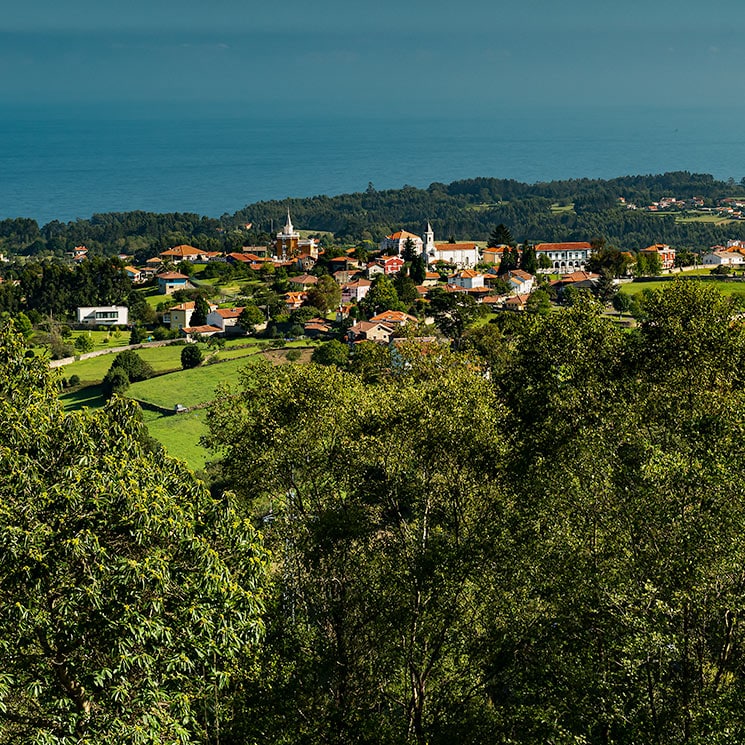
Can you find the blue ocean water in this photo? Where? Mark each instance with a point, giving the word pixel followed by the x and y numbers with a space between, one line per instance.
pixel 68 163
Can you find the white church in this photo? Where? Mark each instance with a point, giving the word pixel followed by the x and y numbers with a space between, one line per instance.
pixel 462 255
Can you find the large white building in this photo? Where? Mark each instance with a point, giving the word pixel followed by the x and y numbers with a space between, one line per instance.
pixel 565 257
pixel 396 243
pixel 462 255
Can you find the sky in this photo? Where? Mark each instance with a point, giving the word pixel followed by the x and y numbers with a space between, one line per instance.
pixel 468 58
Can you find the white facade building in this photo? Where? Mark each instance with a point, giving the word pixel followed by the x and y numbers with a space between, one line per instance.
pixel 104 315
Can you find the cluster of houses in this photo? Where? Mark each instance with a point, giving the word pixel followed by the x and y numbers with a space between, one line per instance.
pixel 732 254
pixel 456 267
pixel 731 208
pixel 451 265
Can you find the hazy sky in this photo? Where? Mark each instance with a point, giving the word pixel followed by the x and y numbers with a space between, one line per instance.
pixel 480 58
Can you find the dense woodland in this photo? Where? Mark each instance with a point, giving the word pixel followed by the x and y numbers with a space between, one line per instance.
pixel 467 209
pixel 537 538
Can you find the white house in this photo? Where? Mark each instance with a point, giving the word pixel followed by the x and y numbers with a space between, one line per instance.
pixel 226 319
pixel 521 282
pixel 468 279
pixel 395 243
pixel 355 290
pixel 565 257
pixel 723 258
pixel 104 315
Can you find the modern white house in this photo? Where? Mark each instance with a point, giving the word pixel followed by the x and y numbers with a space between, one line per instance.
pixel 103 315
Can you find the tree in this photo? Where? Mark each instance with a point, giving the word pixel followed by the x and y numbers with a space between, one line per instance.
pixel 606 288
pixel 140 311
pixel 405 289
pixel 250 318
pixel 528 260
pixel 510 259
pixel 379 573
pixel 500 236
pixel 622 302
pixel 453 312
pixel 324 295
pixel 127 591
pixel 201 310
pixel 382 296
pixel 648 264
pixel 418 269
pixel 84 343
pixel 539 302
pixel 331 352
pixel 24 326
pixel 191 356
pixel 133 365
pixel 115 382
pixel 409 251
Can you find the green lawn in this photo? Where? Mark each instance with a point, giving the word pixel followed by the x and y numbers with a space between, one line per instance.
pixel 187 387
pixel 557 209
pixel 90 397
pixel 180 435
pixel 726 288
pixel 93 370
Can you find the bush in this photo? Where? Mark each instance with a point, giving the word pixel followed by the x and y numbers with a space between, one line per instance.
pixel 293 355
pixel 331 353
pixel 115 381
pixel 84 343
pixel 137 335
pixel 191 356
pixel 134 367
pixel 74 380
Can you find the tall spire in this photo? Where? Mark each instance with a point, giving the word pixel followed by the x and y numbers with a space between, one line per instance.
pixel 288 224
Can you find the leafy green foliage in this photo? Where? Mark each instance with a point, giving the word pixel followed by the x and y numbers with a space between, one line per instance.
pixel 331 352
pixel 191 356
pixel 133 365
pixel 127 591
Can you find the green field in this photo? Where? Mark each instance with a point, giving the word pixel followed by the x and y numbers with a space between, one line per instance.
pixel 694 216
pixel 187 387
pixel 726 288
pixel 180 434
pixel 93 370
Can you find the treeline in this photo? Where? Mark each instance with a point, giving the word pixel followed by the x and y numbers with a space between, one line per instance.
pixel 467 209
pixel 43 288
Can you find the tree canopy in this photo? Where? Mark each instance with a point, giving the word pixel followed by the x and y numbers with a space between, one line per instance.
pixel 127 592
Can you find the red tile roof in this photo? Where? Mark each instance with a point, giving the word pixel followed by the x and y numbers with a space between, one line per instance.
pixel 576 246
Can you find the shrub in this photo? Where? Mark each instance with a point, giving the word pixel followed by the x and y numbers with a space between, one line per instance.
pixel 191 356
pixel 84 343
pixel 74 380
pixel 115 381
pixel 135 368
pixel 293 355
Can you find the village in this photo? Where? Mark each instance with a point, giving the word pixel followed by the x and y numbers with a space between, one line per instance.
pixel 495 277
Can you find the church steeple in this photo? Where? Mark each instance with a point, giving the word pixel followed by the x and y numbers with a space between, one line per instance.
pixel 429 239
pixel 288 225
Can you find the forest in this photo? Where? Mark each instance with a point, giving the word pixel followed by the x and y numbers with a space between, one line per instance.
pixel 576 209
pixel 537 538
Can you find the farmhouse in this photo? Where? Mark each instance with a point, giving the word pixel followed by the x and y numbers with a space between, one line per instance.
pixel 169 282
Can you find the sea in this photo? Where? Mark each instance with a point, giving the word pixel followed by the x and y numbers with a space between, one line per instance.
pixel 66 162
